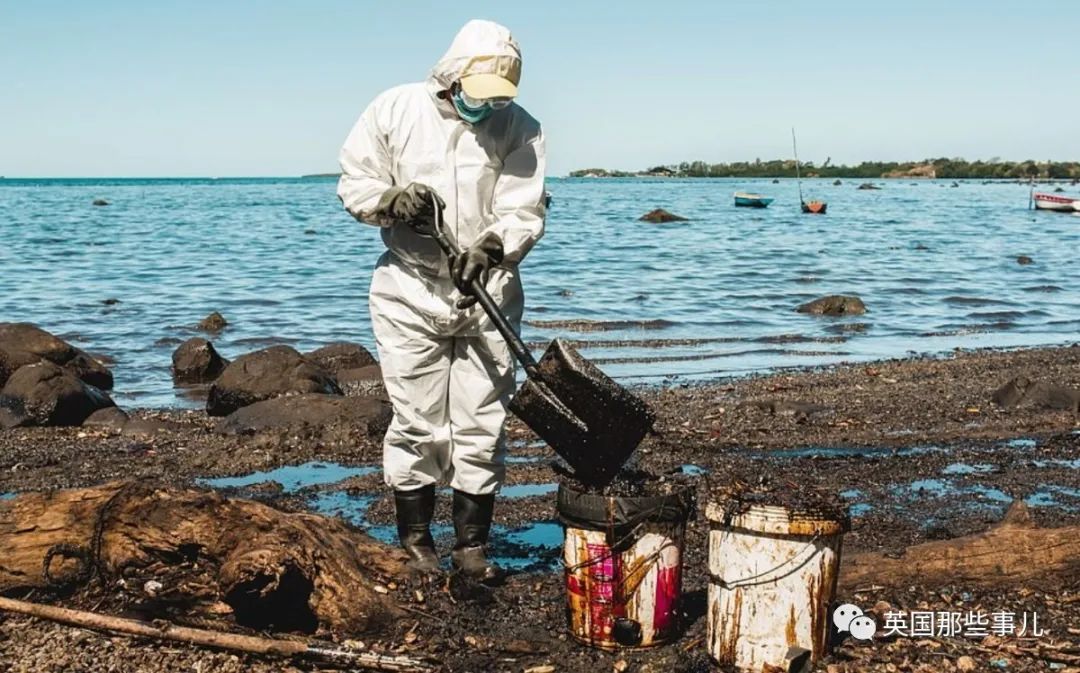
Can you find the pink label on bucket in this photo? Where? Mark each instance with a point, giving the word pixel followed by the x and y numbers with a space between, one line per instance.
pixel 668 583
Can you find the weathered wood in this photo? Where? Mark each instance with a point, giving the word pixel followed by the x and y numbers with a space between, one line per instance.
pixel 272 569
pixel 1012 552
pixel 230 641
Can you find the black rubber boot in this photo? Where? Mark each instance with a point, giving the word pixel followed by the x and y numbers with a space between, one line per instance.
pixel 472 523
pixel 414 511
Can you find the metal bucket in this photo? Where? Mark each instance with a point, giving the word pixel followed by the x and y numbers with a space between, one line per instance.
pixel 772 577
pixel 623 563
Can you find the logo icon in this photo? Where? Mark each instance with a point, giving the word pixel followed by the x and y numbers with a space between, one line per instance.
pixel 851 619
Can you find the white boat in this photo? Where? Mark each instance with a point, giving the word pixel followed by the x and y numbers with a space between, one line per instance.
pixel 1063 204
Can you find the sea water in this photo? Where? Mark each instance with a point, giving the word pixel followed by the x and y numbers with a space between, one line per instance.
pixel 936 265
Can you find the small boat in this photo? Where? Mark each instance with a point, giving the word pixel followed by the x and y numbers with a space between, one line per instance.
pixel 1063 204
pixel 748 200
pixel 812 207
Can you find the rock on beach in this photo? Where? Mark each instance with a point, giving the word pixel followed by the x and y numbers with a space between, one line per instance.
pixel 266 374
pixel 834 305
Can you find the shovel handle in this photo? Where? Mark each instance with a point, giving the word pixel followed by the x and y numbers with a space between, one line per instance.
pixel 520 350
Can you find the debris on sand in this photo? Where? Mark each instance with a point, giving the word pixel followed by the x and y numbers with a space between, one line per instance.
pixel 787 407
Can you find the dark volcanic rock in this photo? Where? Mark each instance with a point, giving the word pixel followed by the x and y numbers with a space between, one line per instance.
pixel 1050 396
pixel 361 381
pixel 26 344
pixel 266 374
pixel 100 202
pixel 215 322
pixel 834 305
pixel 1024 260
pixel 659 216
pixel 1010 394
pixel 340 356
pixel 837 183
pixel 49 395
pixel 370 414
pixel 1023 391
pixel 196 361
pixel 111 418
pixel 12 413
pixel 868 185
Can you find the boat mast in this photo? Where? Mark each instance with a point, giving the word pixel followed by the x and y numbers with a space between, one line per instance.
pixel 798 177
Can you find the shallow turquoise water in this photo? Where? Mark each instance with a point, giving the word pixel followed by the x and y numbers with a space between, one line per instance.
pixel 281 260
pixel 293 477
pixel 533 546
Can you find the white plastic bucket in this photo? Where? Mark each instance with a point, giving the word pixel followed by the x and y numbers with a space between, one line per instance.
pixel 772 578
pixel 623 564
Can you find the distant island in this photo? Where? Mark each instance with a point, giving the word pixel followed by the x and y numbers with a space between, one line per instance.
pixel 953 169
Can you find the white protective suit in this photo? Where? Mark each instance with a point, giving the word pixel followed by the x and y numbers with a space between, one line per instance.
pixel 448 372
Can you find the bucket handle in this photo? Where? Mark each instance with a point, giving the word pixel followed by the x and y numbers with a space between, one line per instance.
pixel 749 581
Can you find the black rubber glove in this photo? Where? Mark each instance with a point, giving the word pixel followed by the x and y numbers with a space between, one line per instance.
pixel 474 264
pixel 411 205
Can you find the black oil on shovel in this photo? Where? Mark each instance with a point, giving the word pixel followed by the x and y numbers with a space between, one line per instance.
pixel 591 421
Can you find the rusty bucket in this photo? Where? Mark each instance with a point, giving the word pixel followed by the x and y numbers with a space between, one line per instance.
pixel 772 577
pixel 623 563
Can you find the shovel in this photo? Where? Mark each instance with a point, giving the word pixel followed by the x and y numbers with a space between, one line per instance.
pixel 590 421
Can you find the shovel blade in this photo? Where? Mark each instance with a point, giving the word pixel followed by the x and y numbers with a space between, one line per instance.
pixel 591 421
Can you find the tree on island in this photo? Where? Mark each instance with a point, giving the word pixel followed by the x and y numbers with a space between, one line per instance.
pixel 942 168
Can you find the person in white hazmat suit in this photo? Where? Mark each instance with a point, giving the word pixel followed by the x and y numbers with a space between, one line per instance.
pixel 458 142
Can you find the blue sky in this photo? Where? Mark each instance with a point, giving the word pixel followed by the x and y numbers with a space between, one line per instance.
pixel 117 88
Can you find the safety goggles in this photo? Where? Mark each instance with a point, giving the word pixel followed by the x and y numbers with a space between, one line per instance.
pixel 477 103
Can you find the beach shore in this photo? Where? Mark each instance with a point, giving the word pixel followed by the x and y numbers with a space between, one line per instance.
pixel 915 445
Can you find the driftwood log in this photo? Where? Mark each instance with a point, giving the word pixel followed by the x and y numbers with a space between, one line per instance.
pixel 272 647
pixel 305 572
pixel 1012 552
pixel 202 551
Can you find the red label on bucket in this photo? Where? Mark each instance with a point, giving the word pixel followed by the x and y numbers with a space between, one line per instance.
pixel 668 584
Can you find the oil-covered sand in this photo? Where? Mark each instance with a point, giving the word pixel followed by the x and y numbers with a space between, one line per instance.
pixel 914 446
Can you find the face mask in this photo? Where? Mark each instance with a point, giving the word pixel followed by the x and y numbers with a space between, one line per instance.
pixel 473 115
